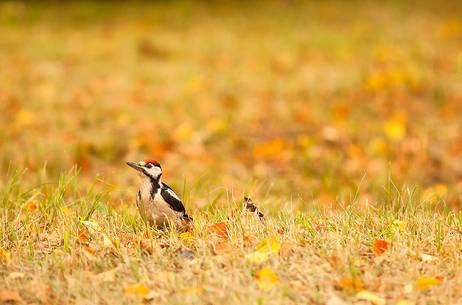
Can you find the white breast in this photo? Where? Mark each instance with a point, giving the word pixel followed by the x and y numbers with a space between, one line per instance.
pixel 156 211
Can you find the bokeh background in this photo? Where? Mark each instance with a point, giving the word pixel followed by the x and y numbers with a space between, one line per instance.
pixel 293 102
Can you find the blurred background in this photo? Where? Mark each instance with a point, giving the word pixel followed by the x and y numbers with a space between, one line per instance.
pixel 292 102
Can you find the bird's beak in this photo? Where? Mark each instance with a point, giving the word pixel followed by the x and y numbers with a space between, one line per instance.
pixel 135 166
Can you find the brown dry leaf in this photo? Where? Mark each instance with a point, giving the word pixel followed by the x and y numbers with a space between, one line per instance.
pixel 427 257
pixel 266 279
pixel 335 300
pixel 371 297
pixel 351 285
pixel 424 283
pixel 83 237
pixel 146 245
pixel 380 246
pixel 286 250
pixel 15 275
pixel 221 229
pixel 11 296
pixel 106 276
pixel 221 247
pixel 405 302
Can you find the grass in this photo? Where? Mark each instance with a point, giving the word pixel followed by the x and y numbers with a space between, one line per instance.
pixel 342 120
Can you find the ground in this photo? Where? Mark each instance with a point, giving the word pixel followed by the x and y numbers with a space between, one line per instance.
pixel 342 120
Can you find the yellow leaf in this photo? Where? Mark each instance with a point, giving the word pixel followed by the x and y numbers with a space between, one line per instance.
pixel 371 297
pixel 424 283
pixel 192 290
pixel 395 128
pixel 137 289
pixel 183 133
pixel 269 245
pixel 264 249
pixel 216 126
pixel 266 279
pixel 186 236
pixel 257 257
pixel 434 193
pixel 399 224
pixel 5 256
pixel 24 118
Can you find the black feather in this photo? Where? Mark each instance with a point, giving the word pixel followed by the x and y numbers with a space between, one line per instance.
pixel 173 201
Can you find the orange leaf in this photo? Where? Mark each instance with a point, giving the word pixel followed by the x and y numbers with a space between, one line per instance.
pixel 221 247
pixel 10 296
pixel 273 148
pixel 220 229
pixel 351 285
pixel 380 246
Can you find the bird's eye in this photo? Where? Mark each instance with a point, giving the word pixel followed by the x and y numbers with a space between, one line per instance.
pixel 149 165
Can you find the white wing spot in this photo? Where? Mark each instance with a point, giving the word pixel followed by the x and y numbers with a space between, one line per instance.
pixel 172 193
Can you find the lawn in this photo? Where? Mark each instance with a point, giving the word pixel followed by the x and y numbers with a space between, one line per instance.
pixel 341 119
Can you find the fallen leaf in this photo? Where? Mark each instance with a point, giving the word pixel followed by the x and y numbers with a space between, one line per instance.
pixel 285 250
pixel 11 296
pixel 264 249
pixel 5 256
pixel 380 246
pixel 16 275
pixel 31 206
pixel 221 247
pixel 335 300
pixel 266 279
pixel 106 276
pixel 269 245
pixel 351 285
pixel 192 290
pixel 89 252
pixel 395 128
pixel 427 257
pixel 220 229
pixel 257 257
pixel 272 148
pixel 186 236
pixel 83 237
pixel 137 289
pixel 399 224
pixel 371 297
pixel 146 245
pixel 424 283
pixel 405 302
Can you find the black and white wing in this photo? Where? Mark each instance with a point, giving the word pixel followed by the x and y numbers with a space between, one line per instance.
pixel 172 199
pixel 252 208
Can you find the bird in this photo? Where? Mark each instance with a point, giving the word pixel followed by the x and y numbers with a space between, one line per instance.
pixel 250 207
pixel 157 203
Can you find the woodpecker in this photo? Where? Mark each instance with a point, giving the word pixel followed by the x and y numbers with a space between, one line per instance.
pixel 250 207
pixel 157 202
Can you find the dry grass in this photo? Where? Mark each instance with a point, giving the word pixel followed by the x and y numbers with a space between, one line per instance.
pixel 342 121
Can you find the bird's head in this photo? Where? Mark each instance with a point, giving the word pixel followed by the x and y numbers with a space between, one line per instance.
pixel 147 168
